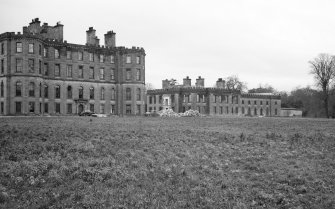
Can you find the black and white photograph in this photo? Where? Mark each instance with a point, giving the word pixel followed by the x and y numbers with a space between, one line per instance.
pixel 167 104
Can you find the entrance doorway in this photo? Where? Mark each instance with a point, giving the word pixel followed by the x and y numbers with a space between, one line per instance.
pixel 80 108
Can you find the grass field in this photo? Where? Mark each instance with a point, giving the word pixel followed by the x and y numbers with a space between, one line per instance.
pixel 82 162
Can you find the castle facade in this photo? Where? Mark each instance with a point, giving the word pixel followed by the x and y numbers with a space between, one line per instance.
pixel 211 101
pixel 42 73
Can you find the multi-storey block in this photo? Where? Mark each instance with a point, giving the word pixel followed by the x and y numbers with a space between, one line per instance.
pixel 42 73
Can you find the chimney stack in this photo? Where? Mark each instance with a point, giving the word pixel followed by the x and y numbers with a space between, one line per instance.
pixel 91 39
pixel 220 83
pixel 187 82
pixel 165 84
pixel 200 82
pixel 110 39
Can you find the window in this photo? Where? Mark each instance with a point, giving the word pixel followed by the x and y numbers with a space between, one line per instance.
pixel 18 89
pixel 91 93
pixel 128 109
pixel 31 107
pixel 80 71
pixel 150 99
pixel 57 92
pixel 128 74
pixel 56 54
pixel 242 101
pixel 112 59
pixel 69 71
pixel 81 92
pixel 31 48
pixel 102 95
pixel 112 74
pixel 112 109
pixel 267 102
pixel 2 48
pixel 276 104
pixel 138 60
pixel 1 89
pixel 80 55
pixel 102 108
pixel 255 102
pixel 57 69
pixel 31 89
pixel 69 92
pixel 138 94
pixel 102 73
pixel 69 108
pixel 92 107
pixel 128 94
pixel 236 110
pixel 18 47
pixel 138 74
pixel 261 113
pixel 1 108
pixel 46 107
pixel 221 110
pixel 19 65
pixel 46 69
pixel 113 94
pixel 101 58
pixel 31 65
pixel 57 107
pixel 40 67
pixel 138 110
pixel 255 111
pixel 2 66
pixel 40 91
pixel 45 52
pixel 248 102
pixel 261 102
pixel 68 55
pixel 40 49
pixel 91 57
pixel 91 73
pixel 276 112
pixel 128 59
pixel 18 107
pixel 46 91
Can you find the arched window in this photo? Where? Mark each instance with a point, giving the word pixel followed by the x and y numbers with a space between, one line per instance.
pixel 91 93
pixel 138 94
pixel 69 92
pixel 128 94
pixel 18 89
pixel 113 94
pixel 46 91
pixel 31 88
pixel 1 89
pixel 102 93
pixel 81 92
pixel 57 91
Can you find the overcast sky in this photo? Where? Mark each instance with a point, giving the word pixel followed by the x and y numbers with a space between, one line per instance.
pixel 261 41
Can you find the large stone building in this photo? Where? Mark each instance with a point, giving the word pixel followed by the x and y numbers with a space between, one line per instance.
pixel 42 73
pixel 211 101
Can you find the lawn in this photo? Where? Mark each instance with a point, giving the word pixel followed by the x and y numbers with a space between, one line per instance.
pixel 137 162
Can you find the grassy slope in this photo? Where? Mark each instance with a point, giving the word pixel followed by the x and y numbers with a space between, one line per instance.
pixel 167 163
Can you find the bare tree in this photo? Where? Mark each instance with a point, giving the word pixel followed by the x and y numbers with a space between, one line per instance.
pixel 234 83
pixel 323 69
